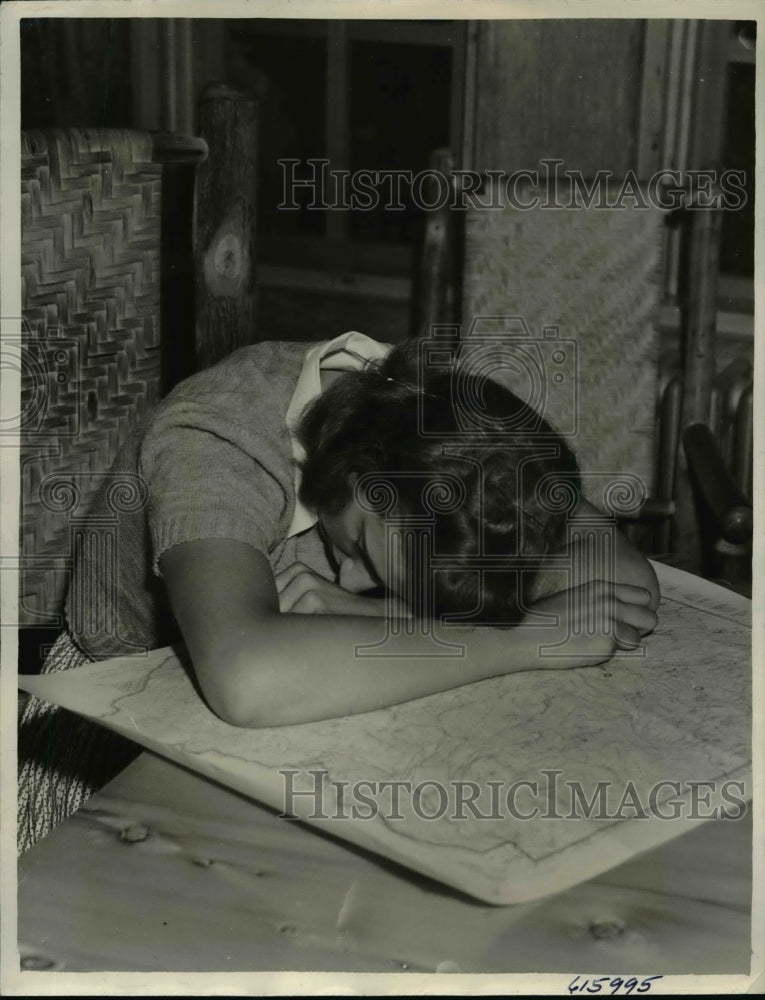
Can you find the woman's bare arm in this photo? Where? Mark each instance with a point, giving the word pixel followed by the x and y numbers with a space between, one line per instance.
pixel 258 667
pixel 591 560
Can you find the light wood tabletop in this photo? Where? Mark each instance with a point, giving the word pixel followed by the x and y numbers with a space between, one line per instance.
pixel 164 870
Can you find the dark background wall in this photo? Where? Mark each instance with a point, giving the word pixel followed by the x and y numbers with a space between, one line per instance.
pixel 75 71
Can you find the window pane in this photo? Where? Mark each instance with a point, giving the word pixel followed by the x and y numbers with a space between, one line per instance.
pixel 287 72
pixel 399 113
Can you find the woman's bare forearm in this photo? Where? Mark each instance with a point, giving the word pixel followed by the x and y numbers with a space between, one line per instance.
pixel 599 553
pixel 259 667
pixel 294 668
pixel 299 668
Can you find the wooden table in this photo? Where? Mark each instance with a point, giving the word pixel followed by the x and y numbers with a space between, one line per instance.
pixel 165 871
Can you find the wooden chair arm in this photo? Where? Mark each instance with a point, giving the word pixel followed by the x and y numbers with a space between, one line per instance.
pixel 730 509
pixel 172 147
pixel 651 510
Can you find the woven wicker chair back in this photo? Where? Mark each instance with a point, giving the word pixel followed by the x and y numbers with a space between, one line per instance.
pixel 580 287
pixel 90 339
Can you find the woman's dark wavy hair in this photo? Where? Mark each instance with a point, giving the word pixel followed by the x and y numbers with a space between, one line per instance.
pixel 406 425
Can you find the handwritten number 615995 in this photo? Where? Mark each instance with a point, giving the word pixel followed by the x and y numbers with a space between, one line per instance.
pixel 614 984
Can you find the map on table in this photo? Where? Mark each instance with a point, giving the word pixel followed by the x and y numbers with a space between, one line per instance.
pixel 507 789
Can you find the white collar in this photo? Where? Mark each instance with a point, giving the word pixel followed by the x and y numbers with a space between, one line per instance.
pixel 348 352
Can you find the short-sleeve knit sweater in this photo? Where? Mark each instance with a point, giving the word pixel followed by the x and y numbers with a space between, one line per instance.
pixel 213 460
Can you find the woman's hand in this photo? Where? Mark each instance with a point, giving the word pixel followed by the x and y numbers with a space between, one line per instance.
pixel 301 591
pixel 594 621
pixel 587 562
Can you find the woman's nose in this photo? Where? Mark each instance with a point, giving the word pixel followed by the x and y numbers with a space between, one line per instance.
pixel 338 554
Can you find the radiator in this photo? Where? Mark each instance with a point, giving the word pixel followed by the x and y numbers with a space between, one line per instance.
pixel 731 420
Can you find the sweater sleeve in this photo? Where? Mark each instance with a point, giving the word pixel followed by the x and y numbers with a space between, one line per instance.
pixel 217 462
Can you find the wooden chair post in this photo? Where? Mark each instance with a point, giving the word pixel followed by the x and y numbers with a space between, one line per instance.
pixel 701 311
pixel 699 372
pixel 224 232
pixel 434 302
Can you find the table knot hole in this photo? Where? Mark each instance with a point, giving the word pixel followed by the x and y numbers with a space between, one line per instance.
pixel 36 963
pixel 134 834
pixel 607 928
